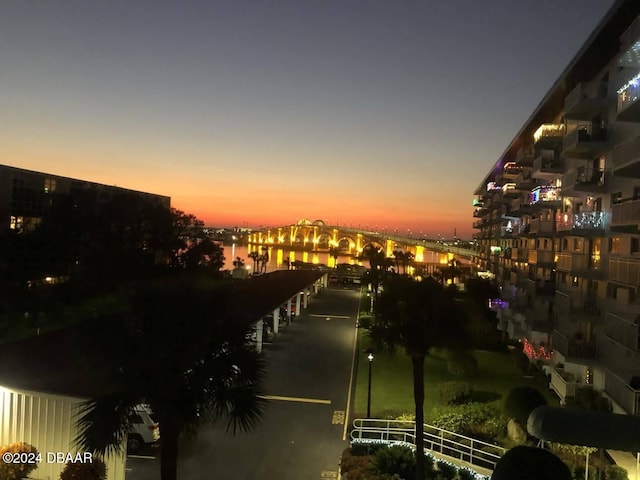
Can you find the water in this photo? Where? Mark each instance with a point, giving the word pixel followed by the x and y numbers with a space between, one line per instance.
pixel 278 255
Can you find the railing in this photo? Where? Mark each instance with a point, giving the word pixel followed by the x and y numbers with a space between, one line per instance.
pixel 623 331
pixel 548 130
pixel 584 180
pixel 438 440
pixel 572 348
pixel 541 226
pixel 575 302
pixel 622 393
pixel 540 256
pixel 624 270
pixel 629 93
pixel 584 134
pixel 627 153
pixel 572 262
pixel 565 387
pixel 579 94
pixel 624 212
pixel 580 221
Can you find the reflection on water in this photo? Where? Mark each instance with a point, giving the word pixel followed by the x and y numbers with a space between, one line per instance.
pixel 278 257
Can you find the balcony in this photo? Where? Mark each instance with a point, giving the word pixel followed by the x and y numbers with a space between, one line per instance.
pixel 626 212
pixel 511 170
pixel 628 104
pixel 541 258
pixel 565 384
pixel 626 159
pixel 547 166
pixel 539 288
pixel 624 270
pixel 583 223
pixel 548 135
pixel 573 348
pixel 509 190
pixel 541 227
pixel 623 329
pixel 588 181
pixel 582 104
pixel 584 141
pixel 623 394
pixel 572 262
pixel 538 317
pixel 573 302
pixel 520 254
pixel 546 196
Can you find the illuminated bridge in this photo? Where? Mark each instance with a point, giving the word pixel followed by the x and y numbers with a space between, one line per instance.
pixel 318 236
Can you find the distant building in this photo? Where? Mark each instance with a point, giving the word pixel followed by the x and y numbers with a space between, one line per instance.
pixel 25 195
pixel 558 217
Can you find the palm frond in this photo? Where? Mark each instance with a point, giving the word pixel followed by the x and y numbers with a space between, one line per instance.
pixel 103 423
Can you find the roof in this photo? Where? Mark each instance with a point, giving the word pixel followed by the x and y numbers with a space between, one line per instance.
pixel 586 428
pixel 55 363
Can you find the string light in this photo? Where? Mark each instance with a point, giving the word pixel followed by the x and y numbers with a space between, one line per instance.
pixel 536 353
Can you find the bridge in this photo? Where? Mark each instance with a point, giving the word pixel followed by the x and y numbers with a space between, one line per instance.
pixel 318 236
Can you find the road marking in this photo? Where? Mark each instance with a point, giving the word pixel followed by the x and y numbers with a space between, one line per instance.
pixel 146 457
pixel 338 417
pixel 329 474
pixel 327 316
pixel 296 399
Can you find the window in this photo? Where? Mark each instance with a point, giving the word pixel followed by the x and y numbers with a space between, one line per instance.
pixel 614 245
pixel 616 197
pixel 635 244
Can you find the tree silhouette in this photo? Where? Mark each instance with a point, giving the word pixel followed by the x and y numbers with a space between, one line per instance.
pixel 417 316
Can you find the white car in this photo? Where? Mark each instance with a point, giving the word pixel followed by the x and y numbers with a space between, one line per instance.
pixel 143 429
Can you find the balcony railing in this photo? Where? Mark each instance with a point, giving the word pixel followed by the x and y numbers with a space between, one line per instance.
pixel 546 166
pixel 584 141
pixel 575 303
pixel 572 262
pixel 626 157
pixel 623 330
pixel 626 212
pixel 548 134
pixel 541 226
pixel 541 257
pixel 628 95
pixel 580 221
pixel 620 390
pixel 581 104
pixel 538 288
pixel 583 181
pixel 624 270
pixel 542 194
pixel 573 347
pixel 520 254
pixel 564 384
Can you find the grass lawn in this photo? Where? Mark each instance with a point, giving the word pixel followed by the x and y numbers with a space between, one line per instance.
pixel 392 385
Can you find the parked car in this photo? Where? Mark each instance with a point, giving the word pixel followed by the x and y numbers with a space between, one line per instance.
pixel 144 430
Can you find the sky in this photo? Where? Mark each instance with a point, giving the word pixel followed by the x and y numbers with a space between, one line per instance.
pixel 380 114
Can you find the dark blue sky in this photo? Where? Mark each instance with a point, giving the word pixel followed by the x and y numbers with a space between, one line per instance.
pixel 384 113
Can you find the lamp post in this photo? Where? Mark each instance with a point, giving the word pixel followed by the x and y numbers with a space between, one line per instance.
pixel 370 358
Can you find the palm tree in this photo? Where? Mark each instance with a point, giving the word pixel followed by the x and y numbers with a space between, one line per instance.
pixel 255 256
pixel 417 316
pixel 379 263
pixel 177 350
pixel 407 260
pixel 238 262
pixel 334 251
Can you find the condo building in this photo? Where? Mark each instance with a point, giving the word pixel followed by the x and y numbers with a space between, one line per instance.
pixel 558 220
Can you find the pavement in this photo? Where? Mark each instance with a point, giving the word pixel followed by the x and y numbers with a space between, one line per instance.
pixel 303 431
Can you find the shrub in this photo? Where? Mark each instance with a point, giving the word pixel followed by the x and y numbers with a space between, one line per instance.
pixel 454 393
pixel 14 471
pixel 356 467
pixel 447 470
pixel 615 472
pixel 364 321
pixel 363 448
pixel 466 474
pixel 529 463
pixel 521 401
pixel 96 470
pixel 520 360
pixel 462 364
pixel 395 460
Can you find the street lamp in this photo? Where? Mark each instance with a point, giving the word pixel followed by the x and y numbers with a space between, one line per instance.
pixel 369 351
